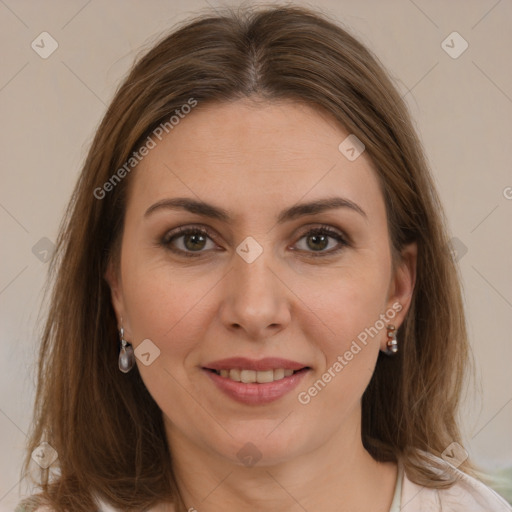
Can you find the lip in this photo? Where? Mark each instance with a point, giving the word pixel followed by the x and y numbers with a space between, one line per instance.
pixel 267 363
pixel 255 393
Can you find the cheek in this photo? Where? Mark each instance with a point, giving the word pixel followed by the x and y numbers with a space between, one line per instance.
pixel 166 306
pixel 347 328
pixel 344 303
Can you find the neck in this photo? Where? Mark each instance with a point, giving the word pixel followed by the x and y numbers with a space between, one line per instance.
pixel 339 475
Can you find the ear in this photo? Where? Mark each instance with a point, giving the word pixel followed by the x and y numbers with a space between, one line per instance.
pixel 402 286
pixel 113 278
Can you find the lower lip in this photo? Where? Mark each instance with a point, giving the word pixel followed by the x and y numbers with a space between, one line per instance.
pixel 254 393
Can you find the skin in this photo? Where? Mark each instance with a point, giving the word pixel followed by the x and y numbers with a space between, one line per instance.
pixel 255 159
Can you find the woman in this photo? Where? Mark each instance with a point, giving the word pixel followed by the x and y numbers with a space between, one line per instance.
pixel 255 305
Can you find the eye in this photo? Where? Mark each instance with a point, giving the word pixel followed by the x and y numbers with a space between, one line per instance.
pixel 317 239
pixel 189 240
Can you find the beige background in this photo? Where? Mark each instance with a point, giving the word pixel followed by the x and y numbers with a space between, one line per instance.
pixel 462 108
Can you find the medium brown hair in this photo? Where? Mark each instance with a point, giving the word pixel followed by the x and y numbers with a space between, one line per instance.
pixel 106 427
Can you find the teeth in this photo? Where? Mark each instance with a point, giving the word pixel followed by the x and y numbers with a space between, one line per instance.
pixel 266 376
pixel 248 376
pixel 278 374
pixel 251 376
pixel 234 375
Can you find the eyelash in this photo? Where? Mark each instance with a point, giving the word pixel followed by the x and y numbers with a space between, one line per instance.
pixel 180 232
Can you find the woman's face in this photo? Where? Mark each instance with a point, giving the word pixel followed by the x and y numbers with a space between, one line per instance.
pixel 261 283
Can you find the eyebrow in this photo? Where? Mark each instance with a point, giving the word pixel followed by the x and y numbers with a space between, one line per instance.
pixel 215 212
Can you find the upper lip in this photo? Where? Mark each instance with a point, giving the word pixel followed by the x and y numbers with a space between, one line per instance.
pixel 267 363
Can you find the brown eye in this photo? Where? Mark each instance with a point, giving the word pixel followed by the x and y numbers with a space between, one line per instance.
pixel 188 241
pixel 194 241
pixel 317 240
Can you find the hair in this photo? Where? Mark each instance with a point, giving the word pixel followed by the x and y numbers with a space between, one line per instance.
pixel 105 426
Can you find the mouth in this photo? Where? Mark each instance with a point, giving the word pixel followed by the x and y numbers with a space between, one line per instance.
pixel 255 382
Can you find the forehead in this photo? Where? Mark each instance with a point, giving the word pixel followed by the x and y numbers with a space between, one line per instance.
pixel 256 154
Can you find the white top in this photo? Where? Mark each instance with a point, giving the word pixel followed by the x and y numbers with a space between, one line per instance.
pixel 397 497
pixel 467 494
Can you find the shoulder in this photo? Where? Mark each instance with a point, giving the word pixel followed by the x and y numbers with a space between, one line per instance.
pixel 467 494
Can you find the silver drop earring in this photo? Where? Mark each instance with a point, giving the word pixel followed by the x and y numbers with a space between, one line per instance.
pixel 392 344
pixel 126 356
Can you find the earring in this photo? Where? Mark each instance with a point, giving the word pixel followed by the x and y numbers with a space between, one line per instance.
pixel 126 357
pixel 392 344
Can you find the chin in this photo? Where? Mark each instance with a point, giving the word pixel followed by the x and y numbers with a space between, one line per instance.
pixel 261 447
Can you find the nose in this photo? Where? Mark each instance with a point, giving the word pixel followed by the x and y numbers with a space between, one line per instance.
pixel 255 301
